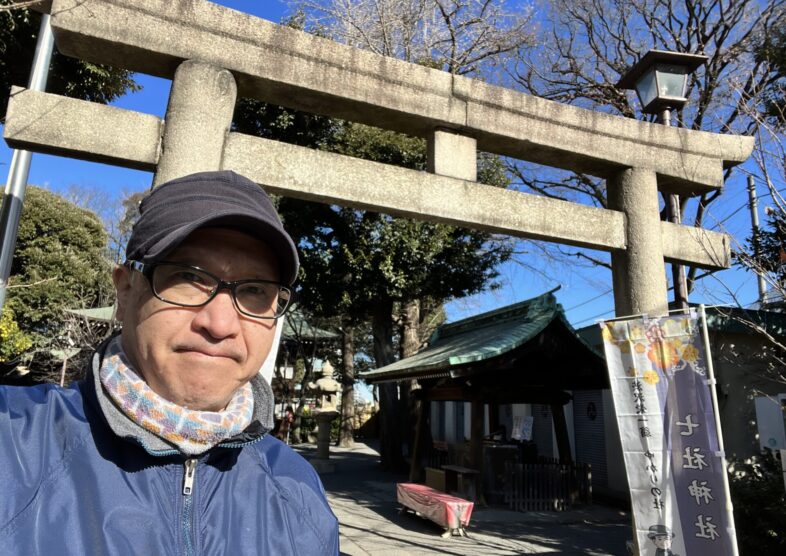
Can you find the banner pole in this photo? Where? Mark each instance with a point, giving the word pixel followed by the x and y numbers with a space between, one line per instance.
pixel 716 413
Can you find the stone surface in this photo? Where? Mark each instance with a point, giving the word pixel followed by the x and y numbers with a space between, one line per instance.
pixel 323 419
pixel 684 244
pixel 323 466
pixel 364 500
pixel 638 273
pixel 198 117
pixel 296 69
pixel 453 155
pixel 327 177
pixel 326 387
pixel 47 123
pixel 54 124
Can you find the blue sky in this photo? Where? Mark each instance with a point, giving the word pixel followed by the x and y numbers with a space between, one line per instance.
pixel 585 294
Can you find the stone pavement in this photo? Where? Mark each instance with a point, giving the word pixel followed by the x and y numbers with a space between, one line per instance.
pixel 364 500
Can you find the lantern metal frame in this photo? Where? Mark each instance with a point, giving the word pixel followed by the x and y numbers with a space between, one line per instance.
pixel 655 69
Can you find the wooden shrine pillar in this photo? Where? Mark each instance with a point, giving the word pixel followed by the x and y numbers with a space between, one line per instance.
pixel 476 435
pixel 420 444
pixel 561 432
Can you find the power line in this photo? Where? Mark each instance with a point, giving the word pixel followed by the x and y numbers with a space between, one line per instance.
pixel 594 317
pixel 608 291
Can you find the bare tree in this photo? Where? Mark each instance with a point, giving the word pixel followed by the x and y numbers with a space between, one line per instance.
pixel 117 211
pixel 586 45
pixel 464 37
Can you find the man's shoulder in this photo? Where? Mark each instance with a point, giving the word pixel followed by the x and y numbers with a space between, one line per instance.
pixel 39 395
pixel 301 487
pixel 50 410
pixel 295 477
pixel 283 461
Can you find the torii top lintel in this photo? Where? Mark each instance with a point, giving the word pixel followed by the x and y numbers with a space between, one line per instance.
pixel 293 68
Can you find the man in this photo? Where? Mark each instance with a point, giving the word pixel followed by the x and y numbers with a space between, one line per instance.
pixel 661 536
pixel 164 448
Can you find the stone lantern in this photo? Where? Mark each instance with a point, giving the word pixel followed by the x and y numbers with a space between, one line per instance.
pixel 327 389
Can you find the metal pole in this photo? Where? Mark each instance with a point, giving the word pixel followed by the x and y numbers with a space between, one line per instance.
pixel 753 204
pixel 716 412
pixel 20 163
pixel 678 270
pixel 664 117
pixel 675 216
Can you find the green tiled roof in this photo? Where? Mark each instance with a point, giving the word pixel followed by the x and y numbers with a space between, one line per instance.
pixel 297 327
pixel 103 314
pixel 745 321
pixel 477 338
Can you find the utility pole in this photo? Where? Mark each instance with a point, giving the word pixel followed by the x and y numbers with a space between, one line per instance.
pixel 753 204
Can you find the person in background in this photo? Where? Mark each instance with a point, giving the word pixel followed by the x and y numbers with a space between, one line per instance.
pixel 286 424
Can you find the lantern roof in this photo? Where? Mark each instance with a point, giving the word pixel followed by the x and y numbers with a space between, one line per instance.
pixel 689 61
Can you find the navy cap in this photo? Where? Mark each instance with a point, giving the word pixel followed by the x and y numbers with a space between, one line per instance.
pixel 209 199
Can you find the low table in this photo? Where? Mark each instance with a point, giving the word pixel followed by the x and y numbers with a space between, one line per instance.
pixel 445 510
pixel 462 480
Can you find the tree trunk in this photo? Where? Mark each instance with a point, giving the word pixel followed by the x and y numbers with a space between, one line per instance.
pixel 308 364
pixel 410 342
pixel 346 432
pixel 410 319
pixel 390 429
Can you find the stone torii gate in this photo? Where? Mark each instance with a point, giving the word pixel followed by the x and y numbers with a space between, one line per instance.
pixel 213 53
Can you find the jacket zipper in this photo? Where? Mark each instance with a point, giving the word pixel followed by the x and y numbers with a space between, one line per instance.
pixel 189 475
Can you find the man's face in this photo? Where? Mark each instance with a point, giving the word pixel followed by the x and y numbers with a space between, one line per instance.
pixel 662 541
pixel 197 357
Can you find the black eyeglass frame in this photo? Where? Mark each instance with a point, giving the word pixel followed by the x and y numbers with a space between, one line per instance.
pixel 147 269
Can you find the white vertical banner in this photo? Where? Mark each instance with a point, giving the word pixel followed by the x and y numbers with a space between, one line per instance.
pixel 269 365
pixel 676 472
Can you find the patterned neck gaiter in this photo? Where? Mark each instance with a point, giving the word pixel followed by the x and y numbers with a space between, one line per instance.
pixel 193 432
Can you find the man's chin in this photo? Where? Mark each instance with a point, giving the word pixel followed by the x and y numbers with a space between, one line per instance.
pixel 206 403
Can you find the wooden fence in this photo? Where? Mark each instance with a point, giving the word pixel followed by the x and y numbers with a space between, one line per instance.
pixel 547 486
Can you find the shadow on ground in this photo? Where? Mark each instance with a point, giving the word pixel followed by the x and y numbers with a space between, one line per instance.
pixel 363 498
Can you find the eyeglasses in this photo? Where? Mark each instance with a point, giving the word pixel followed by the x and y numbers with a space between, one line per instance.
pixel 190 286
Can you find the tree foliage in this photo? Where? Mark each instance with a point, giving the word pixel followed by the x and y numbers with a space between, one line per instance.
pixel 60 263
pixel 13 342
pixel 356 259
pixel 67 76
pixel 392 271
pixel 772 52
pixel 759 504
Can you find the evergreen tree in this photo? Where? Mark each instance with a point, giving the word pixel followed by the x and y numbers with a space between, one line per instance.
pixel 67 76
pixel 772 51
pixel 60 263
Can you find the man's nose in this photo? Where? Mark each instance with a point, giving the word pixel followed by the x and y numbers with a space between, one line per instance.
pixel 219 317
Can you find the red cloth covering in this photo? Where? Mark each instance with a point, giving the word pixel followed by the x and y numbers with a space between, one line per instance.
pixel 443 509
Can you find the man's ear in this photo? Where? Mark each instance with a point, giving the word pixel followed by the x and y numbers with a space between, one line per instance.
pixel 121 276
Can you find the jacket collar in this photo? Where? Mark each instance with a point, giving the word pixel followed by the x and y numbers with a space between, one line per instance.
pixel 125 428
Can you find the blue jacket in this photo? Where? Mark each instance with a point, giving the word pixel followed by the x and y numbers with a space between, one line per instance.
pixel 71 483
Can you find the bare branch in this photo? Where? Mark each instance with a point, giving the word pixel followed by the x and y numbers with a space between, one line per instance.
pixel 19 4
pixel 30 285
